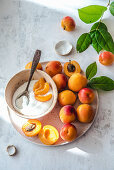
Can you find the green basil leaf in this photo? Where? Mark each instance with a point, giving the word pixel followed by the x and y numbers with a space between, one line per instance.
pixel 105 40
pixel 98 25
pixel 103 83
pixel 83 42
pixel 91 70
pixel 95 44
pixel 112 8
pixel 91 13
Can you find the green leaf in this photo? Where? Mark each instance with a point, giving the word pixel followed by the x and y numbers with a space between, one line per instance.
pixel 98 25
pixel 112 8
pixel 83 42
pixel 95 44
pixel 91 70
pixel 103 83
pixel 105 40
pixel 91 13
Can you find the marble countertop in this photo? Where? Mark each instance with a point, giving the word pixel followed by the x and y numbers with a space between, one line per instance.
pixel 29 25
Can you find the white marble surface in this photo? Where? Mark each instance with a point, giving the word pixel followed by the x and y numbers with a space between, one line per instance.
pixel 29 25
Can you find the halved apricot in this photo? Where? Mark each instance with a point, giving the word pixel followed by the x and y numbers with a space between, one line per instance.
pixel 32 127
pixel 48 135
pixel 42 98
pixel 71 67
pixel 39 84
pixel 29 65
pixel 42 91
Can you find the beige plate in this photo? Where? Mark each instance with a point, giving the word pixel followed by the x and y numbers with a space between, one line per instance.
pixel 53 119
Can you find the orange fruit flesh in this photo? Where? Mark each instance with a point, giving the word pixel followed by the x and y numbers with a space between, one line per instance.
pixel 48 135
pixel 42 91
pixel 39 84
pixel 33 132
pixel 43 98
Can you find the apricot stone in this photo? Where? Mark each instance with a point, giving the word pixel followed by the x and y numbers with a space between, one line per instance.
pixel 53 68
pixel 85 113
pixel 60 81
pixel 76 82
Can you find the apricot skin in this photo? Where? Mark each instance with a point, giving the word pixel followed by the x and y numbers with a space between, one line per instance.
pixel 68 23
pixel 85 113
pixel 68 132
pixel 53 68
pixel 60 81
pixel 66 97
pixel 29 65
pixel 67 114
pixel 76 82
pixel 86 95
pixel 106 58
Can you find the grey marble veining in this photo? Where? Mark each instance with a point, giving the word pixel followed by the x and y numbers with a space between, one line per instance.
pixel 24 27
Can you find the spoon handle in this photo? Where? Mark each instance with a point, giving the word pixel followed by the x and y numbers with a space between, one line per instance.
pixel 34 65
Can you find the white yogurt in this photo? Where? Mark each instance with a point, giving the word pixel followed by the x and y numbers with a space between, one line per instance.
pixel 34 107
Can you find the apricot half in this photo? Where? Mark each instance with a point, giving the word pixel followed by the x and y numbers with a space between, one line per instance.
pixel 71 67
pixel 29 65
pixel 39 84
pixel 42 91
pixel 32 127
pixel 42 98
pixel 48 135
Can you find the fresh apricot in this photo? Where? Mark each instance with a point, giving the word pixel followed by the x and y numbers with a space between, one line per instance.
pixel 29 65
pixel 71 67
pixel 76 82
pixel 86 95
pixel 42 91
pixel 60 81
pixel 68 132
pixel 85 113
pixel 106 58
pixel 42 98
pixel 68 23
pixel 32 127
pixel 66 97
pixel 48 135
pixel 39 84
pixel 67 114
pixel 53 68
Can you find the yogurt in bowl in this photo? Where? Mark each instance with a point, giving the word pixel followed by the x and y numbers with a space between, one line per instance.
pixel 33 109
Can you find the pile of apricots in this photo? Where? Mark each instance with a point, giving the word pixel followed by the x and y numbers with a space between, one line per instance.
pixel 71 84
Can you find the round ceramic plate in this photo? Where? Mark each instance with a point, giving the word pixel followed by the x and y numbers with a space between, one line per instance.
pixel 53 119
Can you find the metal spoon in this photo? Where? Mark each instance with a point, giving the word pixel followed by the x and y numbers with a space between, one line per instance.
pixel 33 68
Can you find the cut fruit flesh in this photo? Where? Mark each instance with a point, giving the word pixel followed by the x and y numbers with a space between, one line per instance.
pixel 42 91
pixel 39 84
pixel 42 98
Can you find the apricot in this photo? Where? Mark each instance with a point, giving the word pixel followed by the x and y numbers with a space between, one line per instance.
pixel 86 95
pixel 53 68
pixel 68 23
pixel 106 58
pixel 32 127
pixel 29 65
pixel 66 97
pixel 71 67
pixel 60 81
pixel 48 135
pixel 42 98
pixel 67 114
pixel 76 82
pixel 39 84
pixel 42 91
pixel 68 132
pixel 85 113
